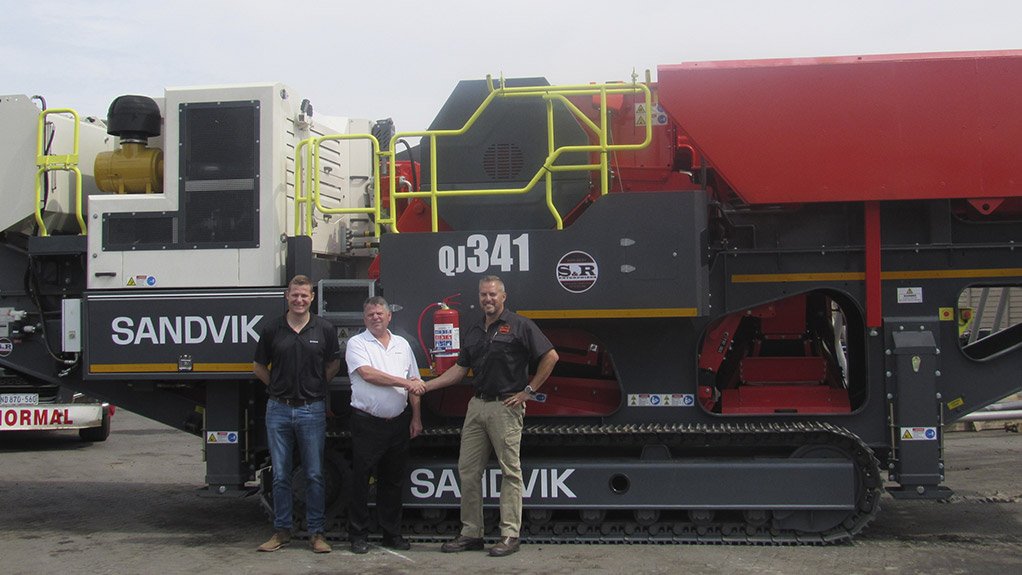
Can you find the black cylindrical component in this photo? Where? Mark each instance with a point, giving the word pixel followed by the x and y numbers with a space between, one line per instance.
pixel 133 118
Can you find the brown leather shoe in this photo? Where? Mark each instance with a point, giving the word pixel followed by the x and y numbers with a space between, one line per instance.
pixel 318 544
pixel 462 543
pixel 506 546
pixel 279 539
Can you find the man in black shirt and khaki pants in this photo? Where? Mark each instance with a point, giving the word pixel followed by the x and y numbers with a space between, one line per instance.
pixel 498 349
pixel 297 356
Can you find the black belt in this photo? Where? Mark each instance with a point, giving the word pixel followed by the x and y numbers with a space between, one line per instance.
pixel 291 402
pixel 368 415
pixel 491 397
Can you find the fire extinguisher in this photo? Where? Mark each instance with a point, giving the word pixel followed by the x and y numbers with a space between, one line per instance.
pixel 446 338
pixel 446 334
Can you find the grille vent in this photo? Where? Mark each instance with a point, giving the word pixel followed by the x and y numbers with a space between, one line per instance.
pixel 503 161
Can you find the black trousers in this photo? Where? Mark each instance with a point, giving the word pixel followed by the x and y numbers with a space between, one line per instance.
pixel 381 444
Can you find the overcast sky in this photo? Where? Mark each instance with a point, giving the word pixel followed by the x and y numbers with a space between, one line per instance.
pixel 401 59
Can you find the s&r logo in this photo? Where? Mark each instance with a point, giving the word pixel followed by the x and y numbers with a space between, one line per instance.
pixel 577 271
pixel 6 347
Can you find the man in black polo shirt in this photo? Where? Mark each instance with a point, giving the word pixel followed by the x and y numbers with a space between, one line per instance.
pixel 296 358
pixel 499 350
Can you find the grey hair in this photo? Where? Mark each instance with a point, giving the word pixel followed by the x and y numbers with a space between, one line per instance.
pixel 494 279
pixel 375 300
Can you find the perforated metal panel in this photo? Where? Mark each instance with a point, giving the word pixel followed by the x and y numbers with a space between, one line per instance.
pixel 219 174
pixel 503 161
pixel 138 231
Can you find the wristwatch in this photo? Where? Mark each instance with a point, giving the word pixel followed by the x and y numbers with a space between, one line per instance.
pixel 529 390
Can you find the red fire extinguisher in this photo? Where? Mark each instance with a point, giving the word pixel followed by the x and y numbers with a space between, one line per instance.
pixel 446 338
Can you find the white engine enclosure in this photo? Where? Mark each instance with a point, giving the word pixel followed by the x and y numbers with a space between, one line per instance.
pixel 281 126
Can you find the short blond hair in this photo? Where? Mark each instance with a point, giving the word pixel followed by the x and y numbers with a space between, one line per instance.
pixel 299 280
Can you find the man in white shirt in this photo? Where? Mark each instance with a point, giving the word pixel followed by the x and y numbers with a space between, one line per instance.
pixel 383 371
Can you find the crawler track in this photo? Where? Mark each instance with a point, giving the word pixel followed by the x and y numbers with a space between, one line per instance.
pixel 672 525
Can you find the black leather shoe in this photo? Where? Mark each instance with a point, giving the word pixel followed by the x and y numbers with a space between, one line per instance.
pixel 462 543
pixel 397 542
pixel 506 546
pixel 359 545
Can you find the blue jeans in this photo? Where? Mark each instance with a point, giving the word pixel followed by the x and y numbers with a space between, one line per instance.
pixel 306 426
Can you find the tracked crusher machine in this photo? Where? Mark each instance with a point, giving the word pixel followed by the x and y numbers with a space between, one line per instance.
pixel 752 272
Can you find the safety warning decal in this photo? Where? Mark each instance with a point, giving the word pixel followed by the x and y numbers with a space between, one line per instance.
pixel 657 115
pixel 141 280
pixel 910 295
pixel 227 437
pixel 918 433
pixel 661 400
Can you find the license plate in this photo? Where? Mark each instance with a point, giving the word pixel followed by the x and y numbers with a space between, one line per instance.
pixel 19 399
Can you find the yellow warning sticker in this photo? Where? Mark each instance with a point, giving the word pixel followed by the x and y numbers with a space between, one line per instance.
pixel 657 115
pixel 946 313
pixel 955 403
pixel 918 433
pixel 222 437
pixel 131 282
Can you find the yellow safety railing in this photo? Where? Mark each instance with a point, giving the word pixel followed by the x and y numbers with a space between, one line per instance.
pixel 308 179
pixel 305 203
pixel 51 163
pixel 550 94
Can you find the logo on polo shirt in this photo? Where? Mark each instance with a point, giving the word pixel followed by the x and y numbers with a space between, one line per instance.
pixel 505 328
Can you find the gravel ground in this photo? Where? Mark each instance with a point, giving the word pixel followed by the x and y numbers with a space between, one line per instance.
pixel 130 505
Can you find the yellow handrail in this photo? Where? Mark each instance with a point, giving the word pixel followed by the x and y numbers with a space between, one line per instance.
pixel 53 162
pixel 307 202
pixel 550 94
pixel 301 202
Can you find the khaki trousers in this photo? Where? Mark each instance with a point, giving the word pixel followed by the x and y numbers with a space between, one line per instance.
pixel 491 426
